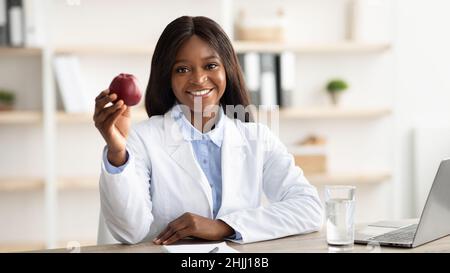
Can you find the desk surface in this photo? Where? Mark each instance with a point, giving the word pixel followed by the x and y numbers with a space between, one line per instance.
pixel 313 242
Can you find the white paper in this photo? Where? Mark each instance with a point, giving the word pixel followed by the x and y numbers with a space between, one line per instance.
pixel 71 85
pixel 199 248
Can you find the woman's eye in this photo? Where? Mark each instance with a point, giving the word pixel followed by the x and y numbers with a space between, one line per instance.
pixel 181 70
pixel 211 66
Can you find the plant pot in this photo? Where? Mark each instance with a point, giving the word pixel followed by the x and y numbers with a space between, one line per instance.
pixel 5 106
pixel 335 97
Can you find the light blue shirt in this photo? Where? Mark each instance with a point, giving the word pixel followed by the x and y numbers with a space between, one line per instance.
pixel 207 149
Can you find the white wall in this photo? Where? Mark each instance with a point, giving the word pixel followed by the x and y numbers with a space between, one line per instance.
pixel 422 84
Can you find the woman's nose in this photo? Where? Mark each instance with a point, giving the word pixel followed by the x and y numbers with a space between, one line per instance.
pixel 198 78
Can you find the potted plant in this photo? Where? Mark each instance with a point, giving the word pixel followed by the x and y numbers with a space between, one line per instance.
pixel 6 100
pixel 334 88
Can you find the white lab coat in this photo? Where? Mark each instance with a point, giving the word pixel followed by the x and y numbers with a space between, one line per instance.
pixel 163 180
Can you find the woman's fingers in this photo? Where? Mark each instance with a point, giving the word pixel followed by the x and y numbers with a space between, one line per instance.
pixel 102 101
pixel 112 119
pixel 178 235
pixel 169 231
pixel 106 112
pixel 102 94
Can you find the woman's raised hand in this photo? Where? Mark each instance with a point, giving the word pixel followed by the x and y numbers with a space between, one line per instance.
pixel 114 123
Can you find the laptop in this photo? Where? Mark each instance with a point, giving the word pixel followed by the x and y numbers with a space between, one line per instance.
pixel 434 222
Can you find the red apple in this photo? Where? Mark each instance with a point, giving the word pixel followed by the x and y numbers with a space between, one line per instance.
pixel 127 89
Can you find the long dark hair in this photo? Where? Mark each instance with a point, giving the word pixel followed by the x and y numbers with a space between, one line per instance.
pixel 159 97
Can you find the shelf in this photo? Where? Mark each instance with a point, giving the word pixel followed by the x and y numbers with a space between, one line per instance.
pixel 331 113
pixel 74 118
pixel 30 117
pixel 20 117
pixel 105 50
pixel 348 179
pixel 240 47
pixel 339 47
pixel 291 113
pixel 78 183
pixel 91 182
pixel 20 51
pixel 23 184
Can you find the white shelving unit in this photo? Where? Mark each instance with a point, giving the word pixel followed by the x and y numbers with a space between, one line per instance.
pixel 50 118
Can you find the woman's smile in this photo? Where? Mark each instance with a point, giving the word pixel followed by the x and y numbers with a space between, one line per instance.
pixel 200 93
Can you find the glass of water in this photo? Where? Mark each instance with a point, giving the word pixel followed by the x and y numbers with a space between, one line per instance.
pixel 340 211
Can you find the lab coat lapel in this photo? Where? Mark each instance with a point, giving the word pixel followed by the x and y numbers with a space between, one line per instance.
pixel 182 153
pixel 234 154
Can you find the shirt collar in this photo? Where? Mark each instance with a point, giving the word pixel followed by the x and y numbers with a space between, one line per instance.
pixel 191 133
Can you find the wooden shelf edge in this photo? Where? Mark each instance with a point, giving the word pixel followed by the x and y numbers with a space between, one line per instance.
pixel 20 51
pixel 24 184
pixel 91 183
pixel 20 117
pixel 332 47
pixel 78 183
pixel 330 113
pixel 346 179
pixel 73 118
pixel 21 184
pixel 239 46
pixel 290 113
pixel 104 50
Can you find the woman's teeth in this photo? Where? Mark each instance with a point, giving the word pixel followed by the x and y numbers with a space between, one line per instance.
pixel 200 92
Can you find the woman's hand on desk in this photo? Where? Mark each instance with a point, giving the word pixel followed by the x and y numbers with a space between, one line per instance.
pixel 192 225
pixel 113 122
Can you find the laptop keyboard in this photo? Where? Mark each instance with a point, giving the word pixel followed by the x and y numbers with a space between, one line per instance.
pixel 402 235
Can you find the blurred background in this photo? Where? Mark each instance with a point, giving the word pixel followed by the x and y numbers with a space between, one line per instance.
pixel 362 85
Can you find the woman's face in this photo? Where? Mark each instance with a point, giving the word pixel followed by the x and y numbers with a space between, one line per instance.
pixel 198 75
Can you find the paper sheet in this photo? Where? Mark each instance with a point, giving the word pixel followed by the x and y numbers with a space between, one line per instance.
pixel 199 248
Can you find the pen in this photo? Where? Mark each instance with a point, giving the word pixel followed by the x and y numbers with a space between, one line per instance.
pixel 214 250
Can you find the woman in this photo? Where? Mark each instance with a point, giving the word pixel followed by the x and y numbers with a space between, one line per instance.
pixel 195 168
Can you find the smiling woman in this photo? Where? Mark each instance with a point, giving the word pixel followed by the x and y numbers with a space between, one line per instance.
pixel 175 176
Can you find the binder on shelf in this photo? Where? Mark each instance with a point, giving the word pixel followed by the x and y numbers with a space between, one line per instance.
pixel 285 78
pixel 269 77
pixel 15 22
pixel 71 86
pixel 268 80
pixel 34 23
pixel 250 63
pixel 3 24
